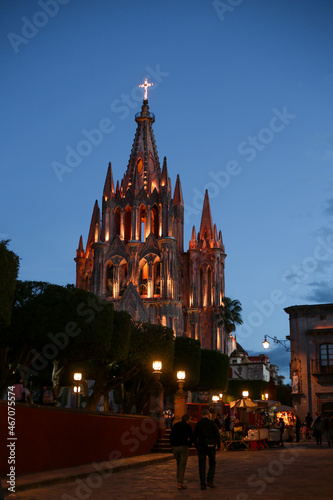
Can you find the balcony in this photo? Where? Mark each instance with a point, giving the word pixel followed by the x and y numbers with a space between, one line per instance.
pixel 323 373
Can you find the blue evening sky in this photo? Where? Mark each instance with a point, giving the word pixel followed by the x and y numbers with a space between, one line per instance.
pixel 243 94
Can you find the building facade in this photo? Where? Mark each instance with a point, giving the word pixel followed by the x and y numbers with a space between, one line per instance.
pixel 311 367
pixel 244 367
pixel 135 255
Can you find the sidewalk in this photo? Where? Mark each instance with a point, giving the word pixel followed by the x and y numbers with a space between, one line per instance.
pixel 298 471
pixel 30 481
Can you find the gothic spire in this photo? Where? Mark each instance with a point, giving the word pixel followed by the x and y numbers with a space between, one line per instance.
pixel 109 185
pixel 206 226
pixel 144 157
pixel 94 226
pixel 178 195
pixel 80 250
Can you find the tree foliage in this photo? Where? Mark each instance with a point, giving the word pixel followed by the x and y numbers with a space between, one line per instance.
pixel 53 325
pixel 188 358
pixel 229 315
pixel 105 371
pixel 9 266
pixel 149 343
pixel 214 371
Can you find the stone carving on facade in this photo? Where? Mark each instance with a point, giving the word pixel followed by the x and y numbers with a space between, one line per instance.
pixel 296 376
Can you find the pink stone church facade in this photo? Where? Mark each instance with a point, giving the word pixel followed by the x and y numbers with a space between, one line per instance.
pixel 135 255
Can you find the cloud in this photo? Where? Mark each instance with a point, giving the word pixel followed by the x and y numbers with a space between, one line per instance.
pixel 280 357
pixel 321 293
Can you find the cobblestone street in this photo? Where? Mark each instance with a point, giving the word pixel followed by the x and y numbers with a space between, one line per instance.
pixel 294 472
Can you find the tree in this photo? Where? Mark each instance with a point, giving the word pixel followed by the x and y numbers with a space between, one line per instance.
pixel 214 371
pixel 104 371
pixel 229 315
pixel 149 342
pixel 53 325
pixel 9 266
pixel 188 358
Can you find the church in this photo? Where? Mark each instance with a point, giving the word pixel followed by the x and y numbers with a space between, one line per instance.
pixel 135 258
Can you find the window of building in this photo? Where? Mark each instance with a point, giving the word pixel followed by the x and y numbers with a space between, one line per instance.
pixel 128 224
pixel 326 355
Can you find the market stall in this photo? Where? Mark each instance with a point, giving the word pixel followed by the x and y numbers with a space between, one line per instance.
pixel 287 413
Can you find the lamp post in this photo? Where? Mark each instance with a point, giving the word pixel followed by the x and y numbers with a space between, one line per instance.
pixel 245 394
pixel 156 397
pixel 77 388
pixel 180 397
pixel 265 343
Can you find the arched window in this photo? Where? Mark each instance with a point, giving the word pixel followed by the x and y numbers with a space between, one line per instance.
pixel 157 278
pixel 209 287
pixel 117 221
pixel 143 278
pixel 109 279
pixel 154 221
pixel 128 224
pixel 143 223
pixel 123 272
pixel 200 287
pixel 139 165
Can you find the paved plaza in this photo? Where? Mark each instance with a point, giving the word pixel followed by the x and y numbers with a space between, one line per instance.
pixel 296 471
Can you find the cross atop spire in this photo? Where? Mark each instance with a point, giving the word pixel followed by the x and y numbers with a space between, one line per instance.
pixel 145 86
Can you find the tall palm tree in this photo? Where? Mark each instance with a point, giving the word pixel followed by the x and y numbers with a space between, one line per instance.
pixel 229 315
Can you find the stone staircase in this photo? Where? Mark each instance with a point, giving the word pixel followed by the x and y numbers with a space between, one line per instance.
pixel 162 445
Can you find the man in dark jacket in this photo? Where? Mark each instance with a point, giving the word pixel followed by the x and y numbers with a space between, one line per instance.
pixel 181 438
pixel 208 437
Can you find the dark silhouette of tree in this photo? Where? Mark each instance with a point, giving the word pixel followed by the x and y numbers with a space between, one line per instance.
pixel 9 266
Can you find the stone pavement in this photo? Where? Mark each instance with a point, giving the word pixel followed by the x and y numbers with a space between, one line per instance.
pixel 296 471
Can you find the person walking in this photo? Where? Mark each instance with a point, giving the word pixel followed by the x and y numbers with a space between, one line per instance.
pixel 330 431
pixel 298 425
pixel 308 423
pixel 181 437
pixel 281 428
pixel 207 439
pixel 317 428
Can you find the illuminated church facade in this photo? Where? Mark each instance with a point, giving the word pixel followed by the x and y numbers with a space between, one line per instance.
pixel 135 254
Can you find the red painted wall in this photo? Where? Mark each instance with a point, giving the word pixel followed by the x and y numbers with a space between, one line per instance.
pixel 54 438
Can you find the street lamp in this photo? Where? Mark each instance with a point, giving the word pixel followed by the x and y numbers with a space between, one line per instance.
pixel 181 379
pixel 77 388
pixel 245 394
pixel 156 396
pixel 215 399
pixel 157 366
pixel 180 396
pixel 265 343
